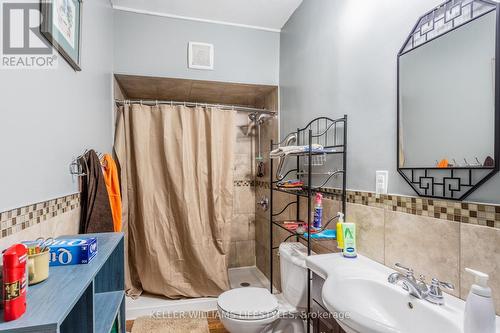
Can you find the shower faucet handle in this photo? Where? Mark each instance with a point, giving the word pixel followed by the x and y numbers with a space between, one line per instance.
pixel 264 203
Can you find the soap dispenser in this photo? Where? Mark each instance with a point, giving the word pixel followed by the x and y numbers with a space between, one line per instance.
pixel 340 233
pixel 479 308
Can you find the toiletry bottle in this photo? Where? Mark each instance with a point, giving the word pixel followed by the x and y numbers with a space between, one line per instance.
pixel 349 240
pixel 318 211
pixel 340 238
pixel 479 308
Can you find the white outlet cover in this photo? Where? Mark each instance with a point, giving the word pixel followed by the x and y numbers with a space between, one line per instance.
pixel 381 182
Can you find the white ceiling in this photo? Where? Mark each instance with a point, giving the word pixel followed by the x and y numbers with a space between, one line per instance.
pixel 262 14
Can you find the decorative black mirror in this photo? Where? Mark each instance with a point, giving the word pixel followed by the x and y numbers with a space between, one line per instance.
pixel 449 101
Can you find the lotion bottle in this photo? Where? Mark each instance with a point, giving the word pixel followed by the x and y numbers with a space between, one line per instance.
pixel 479 308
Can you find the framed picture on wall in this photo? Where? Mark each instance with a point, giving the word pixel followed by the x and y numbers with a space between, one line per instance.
pixel 61 25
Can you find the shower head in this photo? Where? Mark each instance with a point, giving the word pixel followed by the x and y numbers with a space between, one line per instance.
pixel 253 116
pixel 263 117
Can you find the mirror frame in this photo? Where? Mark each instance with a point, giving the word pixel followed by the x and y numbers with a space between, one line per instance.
pixel 425 186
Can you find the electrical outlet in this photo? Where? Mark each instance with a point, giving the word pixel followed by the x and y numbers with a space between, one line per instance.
pixel 381 182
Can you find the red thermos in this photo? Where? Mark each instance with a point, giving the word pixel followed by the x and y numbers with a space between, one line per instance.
pixel 14 282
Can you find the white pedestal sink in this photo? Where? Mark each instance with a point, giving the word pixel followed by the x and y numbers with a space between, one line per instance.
pixel 358 288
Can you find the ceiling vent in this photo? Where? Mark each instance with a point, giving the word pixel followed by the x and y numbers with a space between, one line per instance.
pixel 201 56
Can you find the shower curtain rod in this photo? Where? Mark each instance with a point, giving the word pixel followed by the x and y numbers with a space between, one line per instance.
pixel 220 106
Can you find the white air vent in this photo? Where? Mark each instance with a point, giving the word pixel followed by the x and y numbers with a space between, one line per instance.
pixel 201 55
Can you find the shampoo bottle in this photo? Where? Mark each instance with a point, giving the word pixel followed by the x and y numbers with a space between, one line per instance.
pixel 318 211
pixel 479 308
pixel 340 238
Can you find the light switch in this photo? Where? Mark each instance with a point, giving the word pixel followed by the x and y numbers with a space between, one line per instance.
pixel 382 179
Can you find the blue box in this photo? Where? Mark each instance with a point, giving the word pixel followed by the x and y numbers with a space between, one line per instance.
pixel 72 251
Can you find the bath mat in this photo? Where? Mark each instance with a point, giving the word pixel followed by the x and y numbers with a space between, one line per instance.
pixel 170 325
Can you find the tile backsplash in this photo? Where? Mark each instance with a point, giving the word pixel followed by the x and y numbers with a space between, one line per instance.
pixel 16 220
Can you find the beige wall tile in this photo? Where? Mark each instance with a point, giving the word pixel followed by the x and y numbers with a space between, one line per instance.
pixel 262 231
pixel 64 224
pixel 243 167
pixel 244 145
pixel 281 200
pixel 480 250
pixel 369 230
pixel 243 227
pixel 245 252
pixel 239 227
pixel 330 209
pixel 430 246
pixel 244 200
pixel 233 257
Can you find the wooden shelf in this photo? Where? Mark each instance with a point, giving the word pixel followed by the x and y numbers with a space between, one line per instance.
pixel 106 306
pixel 72 295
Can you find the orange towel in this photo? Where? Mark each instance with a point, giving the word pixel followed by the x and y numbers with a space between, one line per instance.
pixel 110 172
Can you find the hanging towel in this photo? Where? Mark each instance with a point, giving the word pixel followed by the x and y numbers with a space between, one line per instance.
pixel 284 151
pixel 96 213
pixel 113 185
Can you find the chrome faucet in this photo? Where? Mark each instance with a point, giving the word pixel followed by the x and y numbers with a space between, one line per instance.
pixel 418 288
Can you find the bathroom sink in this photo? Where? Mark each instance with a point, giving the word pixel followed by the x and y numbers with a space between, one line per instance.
pixel 358 288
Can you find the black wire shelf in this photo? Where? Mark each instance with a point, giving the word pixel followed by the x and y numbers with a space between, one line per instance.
pixel 331 134
pixel 295 234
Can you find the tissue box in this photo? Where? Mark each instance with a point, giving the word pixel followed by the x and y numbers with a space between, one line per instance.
pixel 72 251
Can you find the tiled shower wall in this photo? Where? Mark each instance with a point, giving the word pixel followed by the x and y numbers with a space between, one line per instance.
pixel 242 248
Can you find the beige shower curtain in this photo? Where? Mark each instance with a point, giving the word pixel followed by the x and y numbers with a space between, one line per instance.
pixel 177 183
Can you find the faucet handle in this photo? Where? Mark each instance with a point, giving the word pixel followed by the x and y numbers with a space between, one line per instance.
pixel 436 283
pixel 435 294
pixel 409 271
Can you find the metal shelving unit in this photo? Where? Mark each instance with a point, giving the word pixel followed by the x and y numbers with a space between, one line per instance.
pixel 332 135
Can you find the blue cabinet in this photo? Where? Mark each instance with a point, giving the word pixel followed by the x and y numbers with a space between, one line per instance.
pixel 78 298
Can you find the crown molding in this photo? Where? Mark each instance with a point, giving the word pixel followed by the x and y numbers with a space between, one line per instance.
pixel 188 18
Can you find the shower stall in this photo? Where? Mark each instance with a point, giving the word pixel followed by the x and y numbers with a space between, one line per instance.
pixel 255 121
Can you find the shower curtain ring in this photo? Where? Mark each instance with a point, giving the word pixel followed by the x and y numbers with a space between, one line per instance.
pixel 141 101
pixel 156 102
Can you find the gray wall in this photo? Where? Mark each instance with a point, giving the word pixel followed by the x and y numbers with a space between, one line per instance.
pixel 48 117
pixel 157 46
pixel 339 57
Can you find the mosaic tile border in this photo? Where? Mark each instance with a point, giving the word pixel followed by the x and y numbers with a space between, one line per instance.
pixel 18 219
pixel 243 183
pixel 465 212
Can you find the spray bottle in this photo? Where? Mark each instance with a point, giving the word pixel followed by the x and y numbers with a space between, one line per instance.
pixel 318 211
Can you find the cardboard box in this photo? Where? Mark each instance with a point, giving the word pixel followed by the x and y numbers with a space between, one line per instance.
pixel 72 251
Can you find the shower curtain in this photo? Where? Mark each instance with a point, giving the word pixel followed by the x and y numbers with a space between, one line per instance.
pixel 176 170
